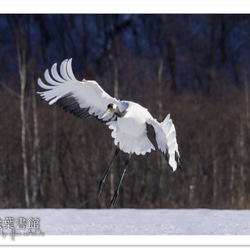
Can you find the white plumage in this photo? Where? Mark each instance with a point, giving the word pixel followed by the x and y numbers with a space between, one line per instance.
pixel 130 132
pixel 127 120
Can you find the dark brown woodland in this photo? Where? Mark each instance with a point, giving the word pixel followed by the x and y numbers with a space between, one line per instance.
pixel 195 67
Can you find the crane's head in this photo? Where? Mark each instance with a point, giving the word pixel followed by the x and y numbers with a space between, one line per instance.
pixel 111 108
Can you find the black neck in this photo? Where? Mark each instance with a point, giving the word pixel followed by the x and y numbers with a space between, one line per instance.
pixel 120 114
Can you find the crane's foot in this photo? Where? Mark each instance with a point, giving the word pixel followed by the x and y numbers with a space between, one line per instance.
pixel 112 202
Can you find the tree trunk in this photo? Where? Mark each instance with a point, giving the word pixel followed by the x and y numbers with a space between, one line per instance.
pixel 22 74
pixel 215 179
pixel 247 104
pixel 116 94
pixel 232 180
pixel 161 178
pixel 36 158
pixel 53 149
pixel 242 163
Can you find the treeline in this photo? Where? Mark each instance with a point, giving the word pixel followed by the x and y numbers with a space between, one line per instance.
pixel 195 67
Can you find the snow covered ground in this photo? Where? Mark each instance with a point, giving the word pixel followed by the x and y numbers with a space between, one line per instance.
pixel 137 221
pixel 133 221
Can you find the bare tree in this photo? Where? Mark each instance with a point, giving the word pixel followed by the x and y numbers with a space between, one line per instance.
pixel 36 158
pixel 21 54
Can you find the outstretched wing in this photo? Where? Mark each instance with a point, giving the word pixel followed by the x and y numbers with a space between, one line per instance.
pixel 81 98
pixel 165 135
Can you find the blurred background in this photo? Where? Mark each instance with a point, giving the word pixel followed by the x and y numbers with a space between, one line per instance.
pixel 195 67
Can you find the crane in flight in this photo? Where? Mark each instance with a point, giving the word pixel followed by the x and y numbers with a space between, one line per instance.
pixel 127 120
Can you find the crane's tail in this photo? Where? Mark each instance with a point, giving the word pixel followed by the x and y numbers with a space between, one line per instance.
pixel 172 147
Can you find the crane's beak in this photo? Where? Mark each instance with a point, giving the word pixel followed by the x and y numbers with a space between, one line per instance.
pixel 108 111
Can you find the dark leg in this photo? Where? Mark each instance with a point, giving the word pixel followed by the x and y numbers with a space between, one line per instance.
pixel 107 172
pixel 116 193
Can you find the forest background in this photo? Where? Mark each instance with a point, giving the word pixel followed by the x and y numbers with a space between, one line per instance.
pixel 195 67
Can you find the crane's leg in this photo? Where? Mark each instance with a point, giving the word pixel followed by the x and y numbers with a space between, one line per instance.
pixel 117 150
pixel 116 193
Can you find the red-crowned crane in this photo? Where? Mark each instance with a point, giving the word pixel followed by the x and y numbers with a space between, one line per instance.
pixel 127 120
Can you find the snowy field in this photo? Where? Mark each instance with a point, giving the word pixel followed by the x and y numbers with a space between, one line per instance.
pixel 99 222
pixel 137 221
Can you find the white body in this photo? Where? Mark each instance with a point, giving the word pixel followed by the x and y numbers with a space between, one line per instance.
pixel 85 98
pixel 132 140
